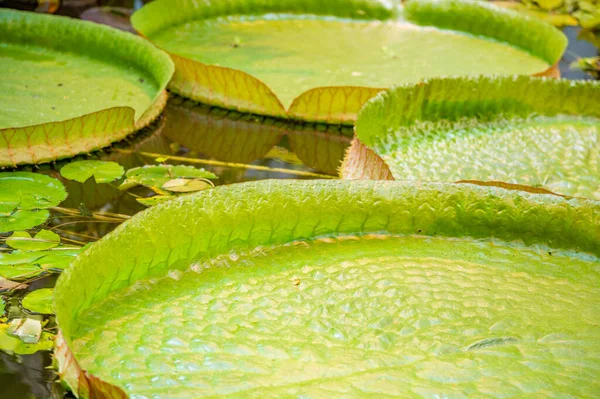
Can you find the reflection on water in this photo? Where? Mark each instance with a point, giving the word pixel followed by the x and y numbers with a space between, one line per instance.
pixel 237 147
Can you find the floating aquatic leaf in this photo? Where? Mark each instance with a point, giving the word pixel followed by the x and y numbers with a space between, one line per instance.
pixel 102 171
pixel 590 65
pixel 47 111
pixel 180 185
pixel 155 176
pixel 39 301
pixel 26 329
pixel 43 240
pixel 9 343
pixel 270 286
pixel 21 265
pixel 537 132
pixel 556 19
pixel 30 191
pixel 24 198
pixel 251 56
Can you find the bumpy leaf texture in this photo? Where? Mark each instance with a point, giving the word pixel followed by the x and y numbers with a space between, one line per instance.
pixel 330 289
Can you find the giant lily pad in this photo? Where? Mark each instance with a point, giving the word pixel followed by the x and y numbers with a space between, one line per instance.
pixel 352 289
pixel 321 60
pixel 538 132
pixel 71 86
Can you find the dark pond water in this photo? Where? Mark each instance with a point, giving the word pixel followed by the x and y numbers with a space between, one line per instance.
pixel 235 147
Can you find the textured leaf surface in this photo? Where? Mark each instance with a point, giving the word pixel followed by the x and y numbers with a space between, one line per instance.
pixel 250 55
pixel 24 198
pixel 537 132
pixel 51 65
pixel 102 171
pixel 278 289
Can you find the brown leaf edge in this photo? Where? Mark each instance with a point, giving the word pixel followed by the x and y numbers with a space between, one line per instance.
pixel 362 163
pixel 38 154
pixel 552 72
pixel 80 382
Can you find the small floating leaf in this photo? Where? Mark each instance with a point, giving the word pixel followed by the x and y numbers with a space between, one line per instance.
pixel 12 344
pixel 29 191
pixel 45 239
pixel 19 265
pixel 26 329
pixel 39 301
pixel 24 196
pixel 590 65
pixel 186 185
pixel 156 176
pixel 102 171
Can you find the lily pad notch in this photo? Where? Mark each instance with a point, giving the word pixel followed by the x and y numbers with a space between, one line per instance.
pixel 30 41
pixel 225 52
pixel 537 132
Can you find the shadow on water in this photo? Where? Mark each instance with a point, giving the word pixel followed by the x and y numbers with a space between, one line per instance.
pixel 236 147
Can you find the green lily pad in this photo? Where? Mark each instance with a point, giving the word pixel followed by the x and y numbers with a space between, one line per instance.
pixel 251 55
pixel 21 265
pixel 537 132
pixel 43 240
pixel 556 19
pixel 303 288
pixel 24 198
pixel 156 176
pixel 39 301
pixel 13 344
pixel 102 171
pixel 180 185
pixel 72 86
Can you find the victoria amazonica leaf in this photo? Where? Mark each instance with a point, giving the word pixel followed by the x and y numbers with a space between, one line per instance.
pixel 71 86
pixel 321 61
pixel 538 132
pixel 335 288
